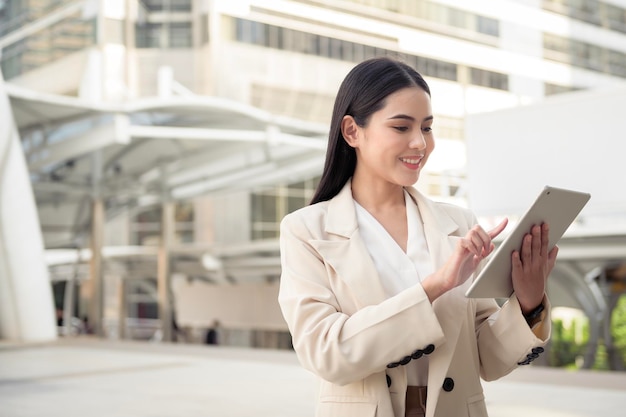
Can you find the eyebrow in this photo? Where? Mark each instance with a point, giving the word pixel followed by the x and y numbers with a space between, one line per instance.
pixel 407 117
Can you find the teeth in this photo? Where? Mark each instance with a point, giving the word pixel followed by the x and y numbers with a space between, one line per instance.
pixel 411 160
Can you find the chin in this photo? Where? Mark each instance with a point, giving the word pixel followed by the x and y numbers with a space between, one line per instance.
pixel 408 182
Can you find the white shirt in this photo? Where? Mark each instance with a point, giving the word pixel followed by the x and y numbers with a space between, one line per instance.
pixel 399 270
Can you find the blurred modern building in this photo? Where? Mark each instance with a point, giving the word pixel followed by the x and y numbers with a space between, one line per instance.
pixel 166 139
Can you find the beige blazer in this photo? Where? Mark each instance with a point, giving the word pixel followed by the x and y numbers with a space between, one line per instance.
pixel 346 330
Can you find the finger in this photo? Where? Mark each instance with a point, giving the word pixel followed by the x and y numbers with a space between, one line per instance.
pixel 491 248
pixel 553 252
pixel 516 262
pixel 552 258
pixel 476 243
pixel 475 236
pixel 466 246
pixel 536 241
pixel 526 250
pixel 481 238
pixel 545 239
pixel 498 229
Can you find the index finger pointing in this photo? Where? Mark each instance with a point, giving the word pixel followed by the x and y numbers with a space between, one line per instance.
pixel 498 229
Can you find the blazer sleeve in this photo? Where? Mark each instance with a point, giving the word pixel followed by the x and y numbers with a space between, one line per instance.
pixel 504 339
pixel 339 347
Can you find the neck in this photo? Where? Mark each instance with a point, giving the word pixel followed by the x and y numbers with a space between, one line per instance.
pixel 377 196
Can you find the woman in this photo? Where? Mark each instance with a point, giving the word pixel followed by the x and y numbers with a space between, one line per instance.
pixel 374 273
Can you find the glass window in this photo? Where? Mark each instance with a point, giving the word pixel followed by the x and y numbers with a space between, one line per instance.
pixel 590 11
pixel 309 43
pixel 180 5
pixel 295 202
pixel 436 13
pixel 180 35
pixel 489 79
pixel 369 52
pixel 14 15
pixel 552 89
pixel 617 63
pixel 153 5
pixel 586 10
pixel 60 39
pixel 457 18
pixel 275 37
pixel 438 69
pixel 146 227
pixel 148 35
pixel 242 28
pixel 556 43
pixel 257 33
pixel 270 206
pixel 204 29
pixel 487 25
pixel 595 60
pixel 264 207
pixel 616 18
pixel 297 40
pixel 323 46
pixel 167 5
pixel 359 52
pixel 336 49
pixel 11 59
pixel 449 127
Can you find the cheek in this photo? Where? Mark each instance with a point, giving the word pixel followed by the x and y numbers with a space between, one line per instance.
pixel 430 144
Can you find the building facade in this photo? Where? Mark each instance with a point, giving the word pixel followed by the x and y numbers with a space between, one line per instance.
pixel 287 57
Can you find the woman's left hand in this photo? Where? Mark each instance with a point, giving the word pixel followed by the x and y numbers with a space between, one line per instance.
pixel 531 267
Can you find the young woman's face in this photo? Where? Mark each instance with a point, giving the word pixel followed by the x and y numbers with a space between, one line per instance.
pixel 397 140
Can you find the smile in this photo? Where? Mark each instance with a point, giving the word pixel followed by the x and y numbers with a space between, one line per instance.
pixel 412 161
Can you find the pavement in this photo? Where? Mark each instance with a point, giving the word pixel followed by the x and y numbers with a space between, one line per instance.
pixel 77 377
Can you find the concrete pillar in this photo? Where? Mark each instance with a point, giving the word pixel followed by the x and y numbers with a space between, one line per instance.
pixel 91 293
pixel 123 307
pixel 96 310
pixel 26 301
pixel 164 270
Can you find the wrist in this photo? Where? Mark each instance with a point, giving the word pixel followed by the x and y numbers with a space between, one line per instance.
pixel 528 306
pixel 534 315
pixel 434 287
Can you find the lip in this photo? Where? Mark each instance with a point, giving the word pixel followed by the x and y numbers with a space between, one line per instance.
pixel 412 162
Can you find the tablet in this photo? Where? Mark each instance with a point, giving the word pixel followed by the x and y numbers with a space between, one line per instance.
pixel 556 206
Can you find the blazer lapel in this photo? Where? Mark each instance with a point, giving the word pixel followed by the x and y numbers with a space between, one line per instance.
pixel 347 254
pixel 441 232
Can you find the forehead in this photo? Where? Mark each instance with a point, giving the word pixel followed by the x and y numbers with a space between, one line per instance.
pixel 412 101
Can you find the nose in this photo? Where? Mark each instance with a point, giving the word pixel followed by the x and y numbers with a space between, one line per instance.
pixel 418 141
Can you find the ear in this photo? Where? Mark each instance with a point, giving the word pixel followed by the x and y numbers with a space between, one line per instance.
pixel 350 131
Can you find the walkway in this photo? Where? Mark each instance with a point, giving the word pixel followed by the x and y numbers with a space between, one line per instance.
pixel 88 377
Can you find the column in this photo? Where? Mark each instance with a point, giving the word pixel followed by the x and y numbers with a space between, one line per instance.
pixel 164 270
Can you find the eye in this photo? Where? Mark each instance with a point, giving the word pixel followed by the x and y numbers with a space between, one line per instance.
pixel 427 129
pixel 401 128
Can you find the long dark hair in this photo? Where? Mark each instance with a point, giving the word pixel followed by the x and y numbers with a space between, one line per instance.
pixel 362 93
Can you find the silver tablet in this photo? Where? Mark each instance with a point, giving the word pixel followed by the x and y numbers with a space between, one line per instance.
pixel 556 206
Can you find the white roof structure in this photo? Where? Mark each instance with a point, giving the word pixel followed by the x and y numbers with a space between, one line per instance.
pixel 183 146
pixel 148 152
pixel 153 149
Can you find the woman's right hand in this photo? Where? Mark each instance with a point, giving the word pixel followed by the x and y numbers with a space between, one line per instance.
pixel 475 246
